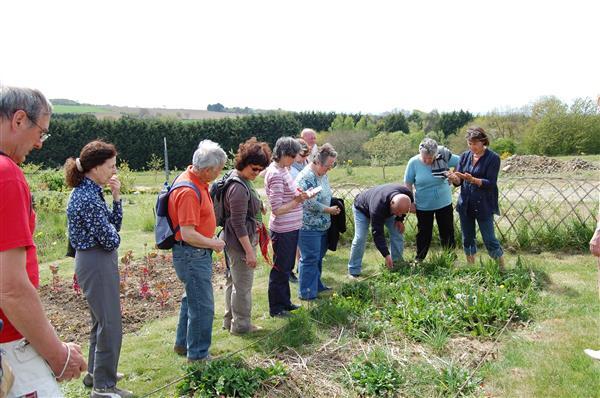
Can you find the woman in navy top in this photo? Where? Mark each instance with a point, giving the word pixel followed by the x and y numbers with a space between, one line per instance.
pixel 477 175
pixel 94 234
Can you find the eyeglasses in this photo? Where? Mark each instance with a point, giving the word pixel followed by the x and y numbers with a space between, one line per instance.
pixel 44 135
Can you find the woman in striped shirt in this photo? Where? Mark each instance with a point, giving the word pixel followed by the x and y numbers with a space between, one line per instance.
pixel 286 201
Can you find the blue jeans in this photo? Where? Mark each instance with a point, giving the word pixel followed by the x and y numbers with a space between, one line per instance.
pixel 313 246
pixel 361 229
pixel 194 268
pixel 181 334
pixel 486 227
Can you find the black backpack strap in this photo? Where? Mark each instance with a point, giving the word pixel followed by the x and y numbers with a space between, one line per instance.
pixel 184 184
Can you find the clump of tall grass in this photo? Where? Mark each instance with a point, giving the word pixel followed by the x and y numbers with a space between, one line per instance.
pixel 299 331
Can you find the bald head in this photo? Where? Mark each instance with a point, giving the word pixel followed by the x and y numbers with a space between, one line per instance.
pixel 310 136
pixel 400 204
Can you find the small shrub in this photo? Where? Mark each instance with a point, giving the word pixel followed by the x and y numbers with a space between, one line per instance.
pixel 376 375
pixel 127 178
pixel 148 223
pixel 226 377
pixel 450 379
pixel 52 180
pixel 503 145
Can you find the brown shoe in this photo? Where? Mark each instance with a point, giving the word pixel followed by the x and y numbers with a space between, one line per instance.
pixel 252 329
pixel 180 350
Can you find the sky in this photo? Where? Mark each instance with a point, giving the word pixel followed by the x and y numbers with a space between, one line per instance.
pixel 344 56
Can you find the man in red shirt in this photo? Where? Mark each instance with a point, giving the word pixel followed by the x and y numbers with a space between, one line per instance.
pixel 28 340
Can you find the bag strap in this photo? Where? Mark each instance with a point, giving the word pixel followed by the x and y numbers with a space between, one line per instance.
pixel 184 184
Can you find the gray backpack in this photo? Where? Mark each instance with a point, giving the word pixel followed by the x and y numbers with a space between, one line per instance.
pixel 164 231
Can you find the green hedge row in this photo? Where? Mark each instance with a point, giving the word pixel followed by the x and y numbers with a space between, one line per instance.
pixel 137 139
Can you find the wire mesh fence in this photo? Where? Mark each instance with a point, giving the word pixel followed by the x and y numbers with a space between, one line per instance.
pixel 530 206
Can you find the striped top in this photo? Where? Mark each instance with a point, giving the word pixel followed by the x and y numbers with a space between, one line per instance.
pixel 281 189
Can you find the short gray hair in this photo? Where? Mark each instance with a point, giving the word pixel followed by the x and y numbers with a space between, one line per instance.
pixel 209 155
pixel 31 101
pixel 428 147
pixel 285 146
pixel 325 152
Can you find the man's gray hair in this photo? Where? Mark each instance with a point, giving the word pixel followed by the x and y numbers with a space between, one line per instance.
pixel 209 155
pixel 325 152
pixel 32 101
pixel 428 147
pixel 285 146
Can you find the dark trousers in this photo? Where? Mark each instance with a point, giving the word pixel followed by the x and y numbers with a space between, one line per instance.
pixel 445 222
pixel 284 256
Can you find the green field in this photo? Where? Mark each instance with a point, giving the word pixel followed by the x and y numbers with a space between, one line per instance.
pixel 79 109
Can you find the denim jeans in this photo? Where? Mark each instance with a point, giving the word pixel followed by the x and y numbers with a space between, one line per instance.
pixel 181 334
pixel 486 227
pixel 313 246
pixel 194 268
pixel 361 229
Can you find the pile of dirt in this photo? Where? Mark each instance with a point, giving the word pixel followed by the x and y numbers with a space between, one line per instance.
pixel 151 291
pixel 534 164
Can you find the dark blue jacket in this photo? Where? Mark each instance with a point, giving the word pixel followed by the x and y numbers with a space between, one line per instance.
pixel 480 201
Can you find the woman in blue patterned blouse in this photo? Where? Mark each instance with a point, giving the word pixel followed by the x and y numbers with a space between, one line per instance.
pixel 94 234
pixel 316 220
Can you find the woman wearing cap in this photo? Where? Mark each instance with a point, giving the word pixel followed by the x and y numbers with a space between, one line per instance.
pixel 477 175
pixel 427 172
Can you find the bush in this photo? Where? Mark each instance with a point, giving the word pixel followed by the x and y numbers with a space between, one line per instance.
pixel 502 145
pixel 375 375
pixel 52 180
pixel 226 377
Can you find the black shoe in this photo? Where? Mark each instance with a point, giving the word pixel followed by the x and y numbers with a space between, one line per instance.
pixel 292 307
pixel 282 314
pixel 293 278
pixel 88 379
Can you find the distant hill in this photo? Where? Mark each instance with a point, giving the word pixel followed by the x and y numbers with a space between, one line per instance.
pixel 62 106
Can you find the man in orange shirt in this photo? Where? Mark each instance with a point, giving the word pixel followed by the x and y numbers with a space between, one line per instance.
pixel 192 253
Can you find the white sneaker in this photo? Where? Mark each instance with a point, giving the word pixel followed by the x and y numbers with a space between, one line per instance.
pixel 593 354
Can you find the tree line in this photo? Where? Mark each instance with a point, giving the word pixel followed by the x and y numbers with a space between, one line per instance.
pixel 546 127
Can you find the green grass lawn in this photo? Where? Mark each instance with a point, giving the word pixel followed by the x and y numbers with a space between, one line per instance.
pixel 541 359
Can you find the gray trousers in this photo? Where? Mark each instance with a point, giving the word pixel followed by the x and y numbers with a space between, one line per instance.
pixel 98 275
pixel 238 293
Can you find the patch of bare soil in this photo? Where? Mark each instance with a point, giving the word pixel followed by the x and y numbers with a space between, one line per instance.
pixel 534 164
pixel 150 290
